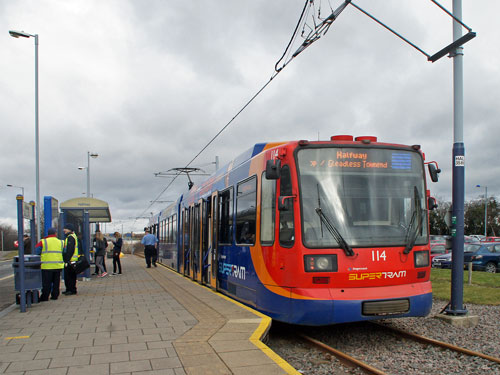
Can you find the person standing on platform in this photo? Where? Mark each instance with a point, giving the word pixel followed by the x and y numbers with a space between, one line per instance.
pixel 117 250
pixel 149 241
pixel 27 244
pixel 70 255
pixel 100 253
pixel 50 250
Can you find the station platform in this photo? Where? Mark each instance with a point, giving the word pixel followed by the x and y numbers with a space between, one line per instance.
pixel 145 321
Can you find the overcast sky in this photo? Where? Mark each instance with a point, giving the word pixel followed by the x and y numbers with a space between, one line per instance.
pixel 146 84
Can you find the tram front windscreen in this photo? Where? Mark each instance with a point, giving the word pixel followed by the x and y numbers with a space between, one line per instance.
pixel 371 196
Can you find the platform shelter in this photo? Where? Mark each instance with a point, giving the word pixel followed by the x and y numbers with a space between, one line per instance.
pixel 82 212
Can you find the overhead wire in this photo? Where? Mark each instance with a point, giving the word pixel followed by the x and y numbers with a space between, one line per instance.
pixel 292 39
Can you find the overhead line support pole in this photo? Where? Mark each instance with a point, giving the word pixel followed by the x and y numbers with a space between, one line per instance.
pixel 458 167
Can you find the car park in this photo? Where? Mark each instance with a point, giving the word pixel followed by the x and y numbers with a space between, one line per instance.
pixel 484 257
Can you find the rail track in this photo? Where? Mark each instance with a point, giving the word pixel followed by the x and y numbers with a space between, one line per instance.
pixel 351 361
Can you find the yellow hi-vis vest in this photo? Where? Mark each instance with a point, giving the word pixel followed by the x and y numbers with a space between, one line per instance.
pixel 74 258
pixel 52 257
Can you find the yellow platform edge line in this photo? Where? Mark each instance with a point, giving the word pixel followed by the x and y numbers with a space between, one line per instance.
pixel 17 337
pixel 264 326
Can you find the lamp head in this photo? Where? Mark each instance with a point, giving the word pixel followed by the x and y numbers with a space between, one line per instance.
pixel 94 155
pixel 17 34
pixel 82 168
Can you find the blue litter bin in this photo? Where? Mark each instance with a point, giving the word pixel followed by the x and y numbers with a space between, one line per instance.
pixel 32 272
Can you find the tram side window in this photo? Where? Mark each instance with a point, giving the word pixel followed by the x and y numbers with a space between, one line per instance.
pixel 173 233
pixel 267 210
pixel 287 229
pixel 226 216
pixel 168 230
pixel 246 199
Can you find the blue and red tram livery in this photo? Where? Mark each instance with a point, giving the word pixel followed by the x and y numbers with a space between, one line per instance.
pixel 311 233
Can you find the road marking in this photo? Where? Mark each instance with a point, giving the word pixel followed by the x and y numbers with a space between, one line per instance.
pixel 17 337
pixel 6 277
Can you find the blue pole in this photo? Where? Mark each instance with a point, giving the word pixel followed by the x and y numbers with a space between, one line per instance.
pixel 20 231
pixel 33 227
pixel 457 232
pixel 47 214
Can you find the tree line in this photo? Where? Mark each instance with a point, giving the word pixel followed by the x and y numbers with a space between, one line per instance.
pixel 473 218
pixel 9 235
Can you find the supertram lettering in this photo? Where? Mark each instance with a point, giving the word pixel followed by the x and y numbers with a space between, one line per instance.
pixel 376 275
pixel 232 270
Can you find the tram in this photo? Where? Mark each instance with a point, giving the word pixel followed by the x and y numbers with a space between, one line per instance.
pixel 310 232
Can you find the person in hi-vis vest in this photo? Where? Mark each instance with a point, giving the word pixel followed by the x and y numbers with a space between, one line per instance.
pixel 50 250
pixel 70 255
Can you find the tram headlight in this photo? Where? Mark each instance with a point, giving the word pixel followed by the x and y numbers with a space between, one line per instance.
pixel 320 263
pixel 421 258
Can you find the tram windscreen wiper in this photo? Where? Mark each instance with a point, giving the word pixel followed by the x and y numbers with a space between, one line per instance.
pixel 411 235
pixel 334 232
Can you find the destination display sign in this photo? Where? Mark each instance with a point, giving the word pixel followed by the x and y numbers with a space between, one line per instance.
pixel 355 158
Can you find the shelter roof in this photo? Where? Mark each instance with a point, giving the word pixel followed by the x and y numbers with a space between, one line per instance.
pixel 98 209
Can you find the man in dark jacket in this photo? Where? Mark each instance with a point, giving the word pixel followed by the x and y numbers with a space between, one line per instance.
pixel 70 255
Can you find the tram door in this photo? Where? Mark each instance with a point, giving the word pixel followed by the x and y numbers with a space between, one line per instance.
pixel 182 242
pixel 195 242
pixel 198 259
pixel 186 242
pixel 206 212
pixel 213 250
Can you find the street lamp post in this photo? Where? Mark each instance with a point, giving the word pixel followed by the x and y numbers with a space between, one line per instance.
pixel 17 34
pixel 19 187
pixel 485 208
pixel 93 156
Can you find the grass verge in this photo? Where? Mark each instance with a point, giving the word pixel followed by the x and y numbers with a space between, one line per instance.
pixel 484 290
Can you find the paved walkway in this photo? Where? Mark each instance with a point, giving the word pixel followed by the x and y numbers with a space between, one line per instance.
pixel 146 321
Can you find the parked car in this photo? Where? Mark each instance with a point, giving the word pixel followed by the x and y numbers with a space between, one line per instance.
pixel 484 257
pixel 491 239
pixel 478 237
pixel 442 261
pixel 438 238
pixel 471 239
pixel 438 249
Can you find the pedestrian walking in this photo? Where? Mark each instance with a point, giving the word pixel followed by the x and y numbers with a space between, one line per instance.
pixel 50 249
pixel 100 253
pixel 70 255
pixel 117 250
pixel 149 241
pixel 96 270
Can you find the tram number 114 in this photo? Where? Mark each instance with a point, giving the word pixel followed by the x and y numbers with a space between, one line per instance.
pixel 378 255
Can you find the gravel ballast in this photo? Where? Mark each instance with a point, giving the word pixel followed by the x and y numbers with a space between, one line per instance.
pixel 392 353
